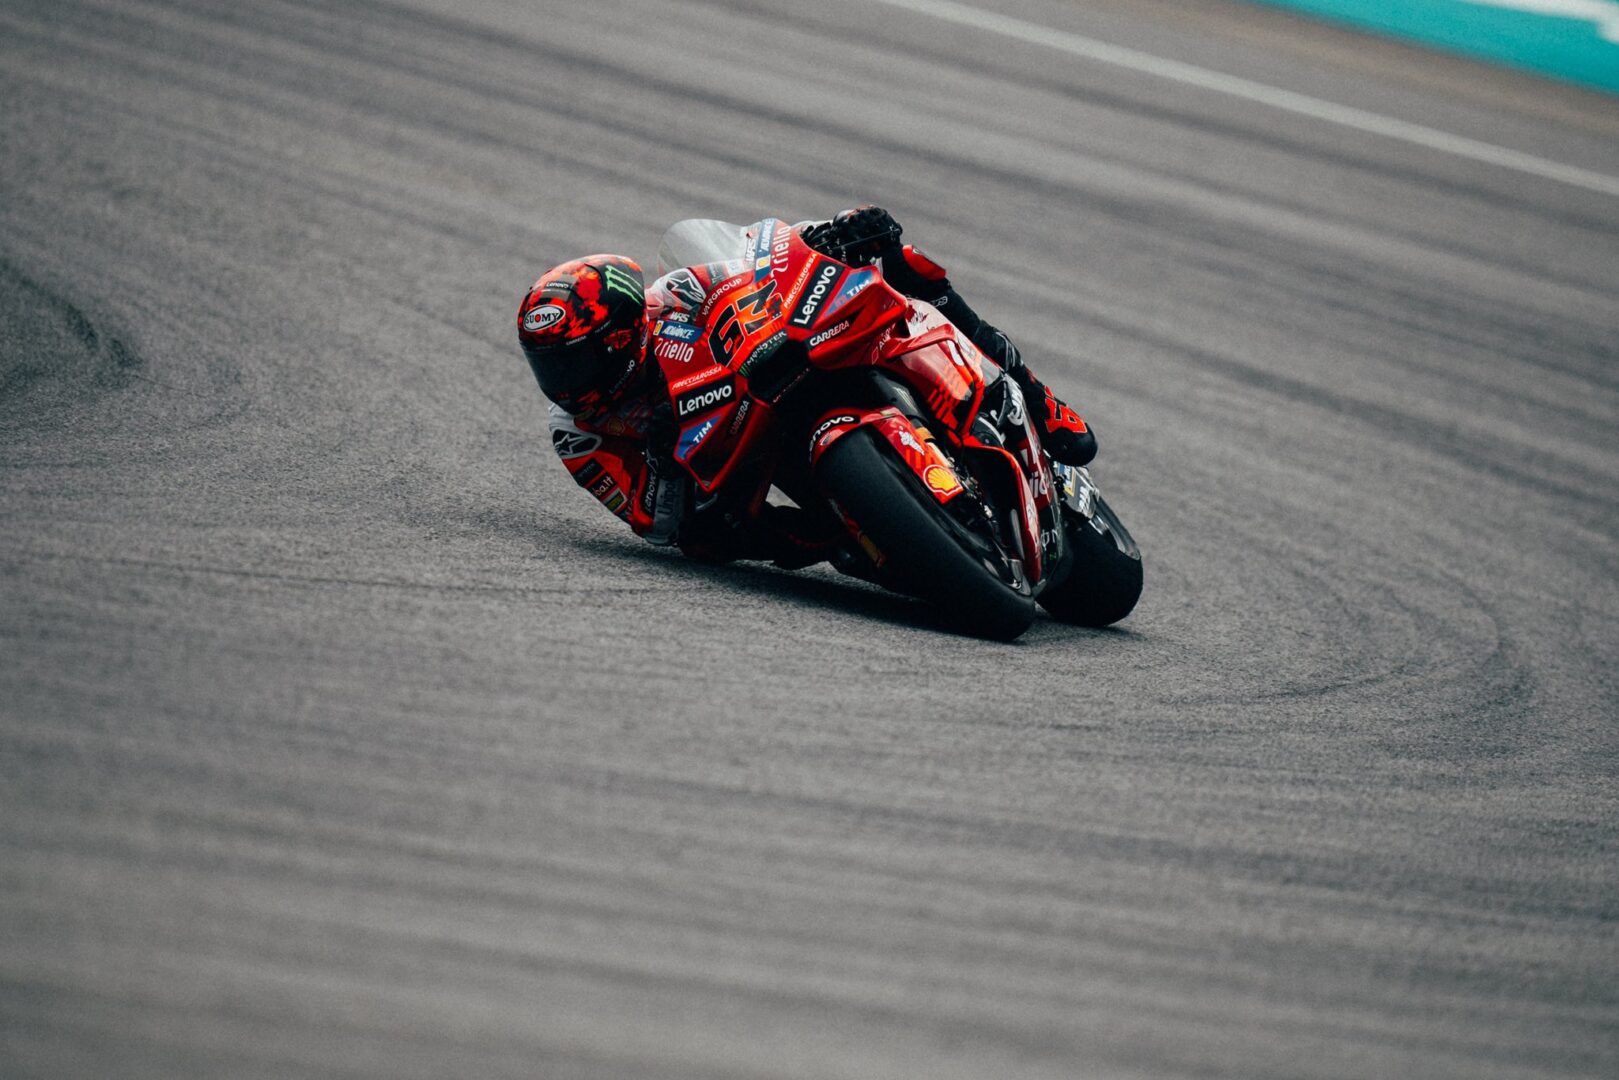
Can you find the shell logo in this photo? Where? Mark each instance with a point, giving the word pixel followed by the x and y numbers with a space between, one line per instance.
pixel 941 480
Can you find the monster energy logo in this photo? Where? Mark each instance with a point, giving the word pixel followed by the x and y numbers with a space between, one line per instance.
pixel 620 282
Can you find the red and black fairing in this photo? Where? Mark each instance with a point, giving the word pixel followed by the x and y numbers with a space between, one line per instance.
pixel 896 366
pixel 947 381
pixel 756 336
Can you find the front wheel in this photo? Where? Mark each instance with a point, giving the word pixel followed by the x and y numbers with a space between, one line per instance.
pixel 925 551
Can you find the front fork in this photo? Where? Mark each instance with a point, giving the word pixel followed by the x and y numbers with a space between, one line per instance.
pixel 1084 508
pixel 1066 496
pixel 1076 490
pixel 1003 432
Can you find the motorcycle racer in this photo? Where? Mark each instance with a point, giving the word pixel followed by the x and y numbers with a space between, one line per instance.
pixel 588 328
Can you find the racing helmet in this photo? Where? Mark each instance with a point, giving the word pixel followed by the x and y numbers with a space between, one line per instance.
pixel 583 328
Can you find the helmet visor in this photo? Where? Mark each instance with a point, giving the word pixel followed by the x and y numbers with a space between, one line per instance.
pixel 569 371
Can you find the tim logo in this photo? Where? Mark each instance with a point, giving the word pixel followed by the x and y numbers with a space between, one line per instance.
pixel 820 286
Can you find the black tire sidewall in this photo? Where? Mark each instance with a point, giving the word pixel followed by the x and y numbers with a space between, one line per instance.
pixel 1103 585
pixel 899 518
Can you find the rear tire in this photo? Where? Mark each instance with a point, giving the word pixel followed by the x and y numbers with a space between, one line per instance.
pixel 915 535
pixel 1105 581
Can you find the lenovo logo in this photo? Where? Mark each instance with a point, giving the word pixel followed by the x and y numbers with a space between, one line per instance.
pixel 707 398
pixel 815 297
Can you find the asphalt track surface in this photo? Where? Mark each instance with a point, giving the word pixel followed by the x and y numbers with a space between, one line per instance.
pixel 344 737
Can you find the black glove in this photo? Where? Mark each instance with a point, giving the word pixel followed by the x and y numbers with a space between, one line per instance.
pixel 661 433
pixel 666 495
pixel 718 531
pixel 858 236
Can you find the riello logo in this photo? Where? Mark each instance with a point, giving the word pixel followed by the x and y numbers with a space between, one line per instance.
pixel 704 399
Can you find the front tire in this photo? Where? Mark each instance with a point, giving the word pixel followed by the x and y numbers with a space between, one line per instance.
pixel 927 554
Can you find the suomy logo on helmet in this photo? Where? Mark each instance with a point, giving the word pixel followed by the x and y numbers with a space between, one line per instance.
pixel 543 316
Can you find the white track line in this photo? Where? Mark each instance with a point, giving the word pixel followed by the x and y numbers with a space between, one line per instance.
pixel 1273 96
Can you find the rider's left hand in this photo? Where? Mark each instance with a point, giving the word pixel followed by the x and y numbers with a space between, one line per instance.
pixel 867 231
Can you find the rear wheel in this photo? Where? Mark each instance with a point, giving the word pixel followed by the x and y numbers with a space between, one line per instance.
pixel 927 552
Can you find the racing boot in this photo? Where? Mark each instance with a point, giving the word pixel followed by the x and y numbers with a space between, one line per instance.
pixel 871 232
pixel 1063 432
pixel 795 538
pixel 1066 436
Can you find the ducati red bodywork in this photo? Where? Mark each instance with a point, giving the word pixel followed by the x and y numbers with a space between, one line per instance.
pixel 792 313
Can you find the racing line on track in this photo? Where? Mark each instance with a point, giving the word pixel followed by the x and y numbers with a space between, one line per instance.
pixel 1261 93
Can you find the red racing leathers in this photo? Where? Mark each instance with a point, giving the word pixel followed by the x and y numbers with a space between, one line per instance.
pixel 608 454
pixel 614 455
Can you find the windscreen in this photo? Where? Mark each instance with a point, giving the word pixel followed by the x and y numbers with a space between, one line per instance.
pixel 698 241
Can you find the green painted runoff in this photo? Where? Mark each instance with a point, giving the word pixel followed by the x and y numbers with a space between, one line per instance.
pixel 1574 40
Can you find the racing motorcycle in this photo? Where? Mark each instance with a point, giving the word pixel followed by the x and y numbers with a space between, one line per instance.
pixel 804 371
